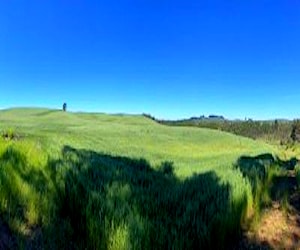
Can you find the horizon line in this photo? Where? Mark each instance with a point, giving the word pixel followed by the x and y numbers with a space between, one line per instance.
pixel 246 118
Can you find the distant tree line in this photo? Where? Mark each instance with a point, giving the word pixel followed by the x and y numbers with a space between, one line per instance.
pixel 150 117
pixel 281 131
pixel 295 134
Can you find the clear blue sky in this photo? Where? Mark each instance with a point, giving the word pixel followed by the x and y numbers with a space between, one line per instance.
pixel 172 59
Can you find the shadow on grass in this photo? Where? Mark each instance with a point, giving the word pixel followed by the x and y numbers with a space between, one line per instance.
pixel 118 202
pixel 269 170
pixel 90 200
pixel 273 180
pixel 47 112
pixel 260 164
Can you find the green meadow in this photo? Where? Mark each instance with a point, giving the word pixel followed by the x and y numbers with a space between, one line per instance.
pixel 99 181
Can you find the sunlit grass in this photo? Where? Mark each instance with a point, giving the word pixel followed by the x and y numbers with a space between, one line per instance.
pixel 98 194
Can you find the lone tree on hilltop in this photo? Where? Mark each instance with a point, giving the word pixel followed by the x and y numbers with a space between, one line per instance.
pixel 65 107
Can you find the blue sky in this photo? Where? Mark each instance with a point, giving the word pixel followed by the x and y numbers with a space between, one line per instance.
pixel 172 59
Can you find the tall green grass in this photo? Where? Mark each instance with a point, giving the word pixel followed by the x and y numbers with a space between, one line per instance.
pixel 26 193
pixel 101 181
pixel 98 201
pixel 269 179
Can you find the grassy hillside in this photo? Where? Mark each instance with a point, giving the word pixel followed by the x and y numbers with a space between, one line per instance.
pixel 191 150
pixel 81 180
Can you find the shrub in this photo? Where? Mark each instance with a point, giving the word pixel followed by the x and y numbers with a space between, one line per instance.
pixel 260 172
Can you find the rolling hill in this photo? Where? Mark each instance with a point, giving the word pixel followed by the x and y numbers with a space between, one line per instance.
pixel 191 149
pixel 119 182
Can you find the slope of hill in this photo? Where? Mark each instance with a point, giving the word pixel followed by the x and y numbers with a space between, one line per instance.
pixel 276 131
pixel 119 181
pixel 191 150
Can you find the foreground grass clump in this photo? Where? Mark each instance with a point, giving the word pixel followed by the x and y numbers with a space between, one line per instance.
pixel 26 193
pixel 269 178
pixel 9 134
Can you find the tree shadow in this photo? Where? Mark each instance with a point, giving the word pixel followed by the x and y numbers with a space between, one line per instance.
pixel 46 112
pixel 111 201
pixel 91 200
pixel 268 168
pixel 267 160
pixel 246 243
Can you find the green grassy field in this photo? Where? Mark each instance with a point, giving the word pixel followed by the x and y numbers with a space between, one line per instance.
pixel 98 181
